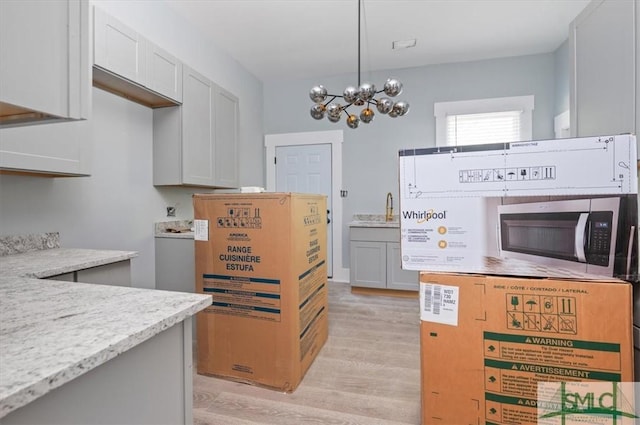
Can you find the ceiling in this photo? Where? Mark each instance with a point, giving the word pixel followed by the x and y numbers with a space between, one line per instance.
pixel 276 39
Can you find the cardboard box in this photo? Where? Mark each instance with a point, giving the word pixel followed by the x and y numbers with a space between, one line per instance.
pixel 550 208
pixel 486 342
pixel 263 259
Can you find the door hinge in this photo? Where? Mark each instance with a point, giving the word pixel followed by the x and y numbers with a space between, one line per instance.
pixel 275 160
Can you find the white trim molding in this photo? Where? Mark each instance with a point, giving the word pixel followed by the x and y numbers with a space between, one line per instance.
pixel 477 106
pixel 335 138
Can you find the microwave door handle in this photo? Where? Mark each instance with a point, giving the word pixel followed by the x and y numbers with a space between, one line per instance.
pixel 580 237
pixel 632 234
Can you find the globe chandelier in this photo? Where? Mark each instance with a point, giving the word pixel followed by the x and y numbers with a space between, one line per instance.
pixel 364 95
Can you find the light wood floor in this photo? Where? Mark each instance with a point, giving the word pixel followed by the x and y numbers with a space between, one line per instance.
pixel 367 373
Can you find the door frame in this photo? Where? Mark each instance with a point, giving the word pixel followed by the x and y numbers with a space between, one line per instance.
pixel 335 138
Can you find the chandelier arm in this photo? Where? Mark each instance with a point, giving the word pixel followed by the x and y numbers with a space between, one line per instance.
pixel 332 99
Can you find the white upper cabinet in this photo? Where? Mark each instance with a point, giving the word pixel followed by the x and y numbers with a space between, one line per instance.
pixel 226 138
pixel 603 94
pixel 198 130
pixel 118 49
pixel 164 73
pixel 60 149
pixel 127 64
pixel 195 144
pixel 44 57
pixel 45 78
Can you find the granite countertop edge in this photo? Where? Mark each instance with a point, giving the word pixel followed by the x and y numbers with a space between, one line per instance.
pixel 378 224
pixel 374 220
pixel 167 235
pixel 175 229
pixel 51 262
pixel 38 384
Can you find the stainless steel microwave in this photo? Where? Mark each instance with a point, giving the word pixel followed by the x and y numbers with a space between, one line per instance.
pixel 587 235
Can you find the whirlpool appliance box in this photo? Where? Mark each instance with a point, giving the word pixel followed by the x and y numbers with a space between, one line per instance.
pixel 263 259
pixel 486 341
pixel 550 208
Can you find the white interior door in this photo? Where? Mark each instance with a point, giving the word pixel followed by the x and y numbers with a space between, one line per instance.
pixel 307 169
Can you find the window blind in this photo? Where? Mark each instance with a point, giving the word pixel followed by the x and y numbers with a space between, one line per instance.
pixel 491 127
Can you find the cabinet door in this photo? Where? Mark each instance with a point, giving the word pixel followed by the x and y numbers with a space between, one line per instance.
pixel 197 130
pixel 175 264
pixel 44 52
pixel 397 278
pixel 63 148
pixel 226 138
pixel 368 264
pixel 603 91
pixel 164 73
pixel 118 48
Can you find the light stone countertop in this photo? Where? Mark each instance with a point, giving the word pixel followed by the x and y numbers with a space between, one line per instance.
pixel 52 332
pixel 374 220
pixel 163 229
pixel 51 262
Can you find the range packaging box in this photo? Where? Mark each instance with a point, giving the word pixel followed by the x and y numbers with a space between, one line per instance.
pixel 551 208
pixel 487 341
pixel 262 257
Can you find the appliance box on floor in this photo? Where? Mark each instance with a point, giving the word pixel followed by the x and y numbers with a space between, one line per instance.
pixel 263 259
pixel 486 342
pixel 562 208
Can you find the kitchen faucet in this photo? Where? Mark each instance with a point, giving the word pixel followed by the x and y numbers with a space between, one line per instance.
pixel 389 209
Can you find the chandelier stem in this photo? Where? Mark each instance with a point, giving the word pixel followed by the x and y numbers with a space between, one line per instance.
pixel 359 1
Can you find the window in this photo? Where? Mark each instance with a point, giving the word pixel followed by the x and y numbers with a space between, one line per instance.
pixel 497 120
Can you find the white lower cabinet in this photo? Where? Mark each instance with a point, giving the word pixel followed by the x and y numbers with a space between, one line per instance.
pixel 151 383
pixel 376 261
pixel 117 274
pixel 175 264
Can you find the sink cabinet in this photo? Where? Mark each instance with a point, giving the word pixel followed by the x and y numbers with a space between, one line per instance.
pixel 376 261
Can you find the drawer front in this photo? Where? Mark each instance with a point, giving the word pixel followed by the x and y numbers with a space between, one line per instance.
pixel 375 234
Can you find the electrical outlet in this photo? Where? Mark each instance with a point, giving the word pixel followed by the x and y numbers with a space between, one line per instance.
pixel 171 211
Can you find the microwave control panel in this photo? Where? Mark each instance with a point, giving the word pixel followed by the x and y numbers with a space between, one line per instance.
pixel 599 238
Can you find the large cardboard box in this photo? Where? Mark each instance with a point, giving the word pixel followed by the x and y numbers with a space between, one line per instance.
pixel 263 259
pixel 487 341
pixel 550 208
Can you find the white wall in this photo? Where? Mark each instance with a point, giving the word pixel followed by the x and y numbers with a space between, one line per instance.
pixel 562 61
pixel 370 153
pixel 116 207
